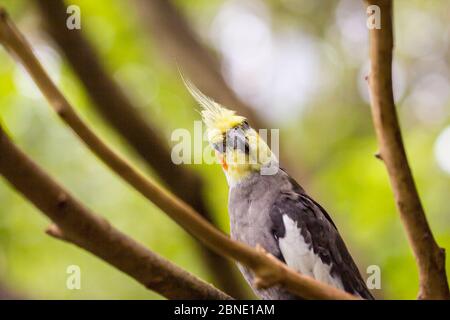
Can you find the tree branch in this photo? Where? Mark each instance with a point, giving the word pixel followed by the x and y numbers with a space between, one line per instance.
pixel 268 270
pixel 430 258
pixel 110 101
pixel 77 224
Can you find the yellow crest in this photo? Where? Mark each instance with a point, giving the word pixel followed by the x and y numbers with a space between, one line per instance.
pixel 217 118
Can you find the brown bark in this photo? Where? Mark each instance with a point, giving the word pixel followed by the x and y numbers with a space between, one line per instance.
pixel 430 258
pixel 268 270
pixel 79 225
pixel 110 101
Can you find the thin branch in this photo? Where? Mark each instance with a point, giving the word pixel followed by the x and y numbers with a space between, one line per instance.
pixel 268 270
pixel 110 101
pixel 177 39
pixel 430 258
pixel 79 225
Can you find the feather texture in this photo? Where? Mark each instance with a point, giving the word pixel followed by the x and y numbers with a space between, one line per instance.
pixel 215 116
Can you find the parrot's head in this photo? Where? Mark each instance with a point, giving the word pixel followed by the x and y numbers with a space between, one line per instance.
pixel 238 147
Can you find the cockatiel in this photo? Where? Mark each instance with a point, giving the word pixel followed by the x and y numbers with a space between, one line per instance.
pixel 269 208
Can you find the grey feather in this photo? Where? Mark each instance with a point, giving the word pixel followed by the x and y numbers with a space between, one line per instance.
pixel 256 207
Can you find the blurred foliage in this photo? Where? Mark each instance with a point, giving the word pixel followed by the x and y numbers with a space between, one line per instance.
pixel 326 129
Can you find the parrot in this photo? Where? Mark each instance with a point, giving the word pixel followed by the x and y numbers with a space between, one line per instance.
pixel 268 208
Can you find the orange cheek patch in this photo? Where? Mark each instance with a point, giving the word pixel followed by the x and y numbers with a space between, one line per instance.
pixel 224 164
pixel 222 160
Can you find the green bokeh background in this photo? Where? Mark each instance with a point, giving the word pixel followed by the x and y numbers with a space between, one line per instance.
pixel 331 138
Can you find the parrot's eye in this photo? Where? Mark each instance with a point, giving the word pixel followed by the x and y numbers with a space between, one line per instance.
pixel 236 139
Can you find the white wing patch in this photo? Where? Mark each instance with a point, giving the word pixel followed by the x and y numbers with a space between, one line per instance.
pixel 300 257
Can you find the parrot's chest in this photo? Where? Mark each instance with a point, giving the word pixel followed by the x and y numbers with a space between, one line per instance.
pixel 249 205
pixel 250 220
pixel 250 223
